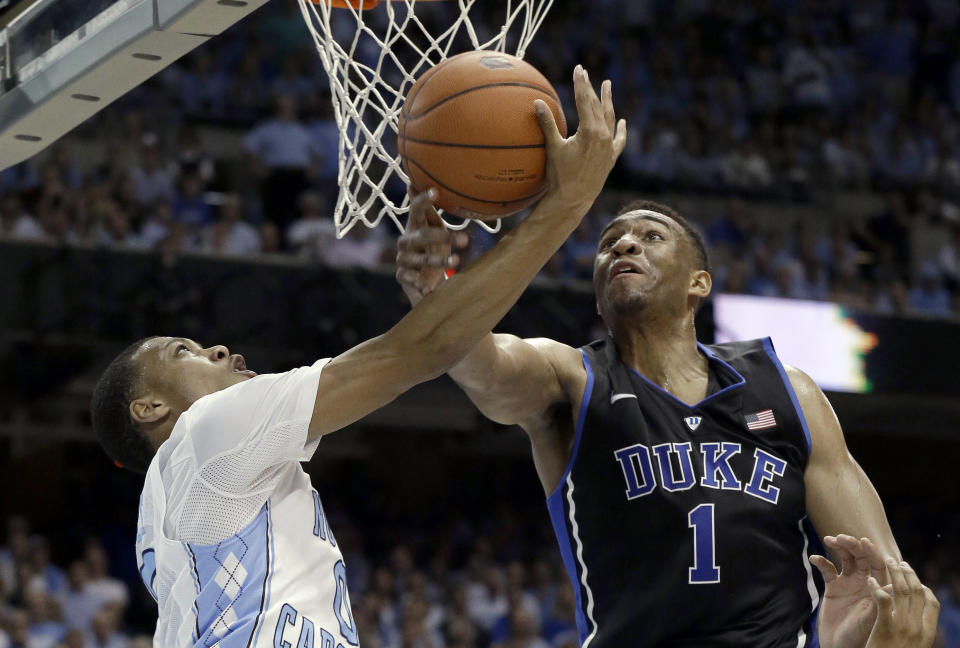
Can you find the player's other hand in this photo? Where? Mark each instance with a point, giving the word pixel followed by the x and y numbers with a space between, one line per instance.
pixel 907 611
pixel 847 611
pixel 425 251
pixel 578 166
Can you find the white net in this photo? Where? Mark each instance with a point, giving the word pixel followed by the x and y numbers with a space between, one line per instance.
pixel 372 56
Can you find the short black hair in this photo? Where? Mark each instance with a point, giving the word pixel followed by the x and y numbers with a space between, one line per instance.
pixel 703 258
pixel 119 435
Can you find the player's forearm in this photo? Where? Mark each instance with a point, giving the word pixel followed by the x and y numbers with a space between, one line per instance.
pixel 845 501
pixel 452 320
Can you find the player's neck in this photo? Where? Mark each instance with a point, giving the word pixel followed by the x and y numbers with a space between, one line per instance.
pixel 664 352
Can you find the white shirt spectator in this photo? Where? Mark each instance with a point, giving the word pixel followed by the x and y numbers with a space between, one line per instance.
pixel 361 248
pixel 79 607
pixel 281 143
pixel 238 238
pixel 23 227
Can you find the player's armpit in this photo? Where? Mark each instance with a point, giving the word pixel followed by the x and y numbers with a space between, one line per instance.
pixel 516 381
pixel 840 498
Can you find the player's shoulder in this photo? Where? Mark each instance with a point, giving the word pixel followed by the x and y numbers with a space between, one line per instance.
pixel 803 385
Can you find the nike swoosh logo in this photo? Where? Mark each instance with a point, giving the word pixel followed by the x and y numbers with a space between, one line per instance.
pixel 615 397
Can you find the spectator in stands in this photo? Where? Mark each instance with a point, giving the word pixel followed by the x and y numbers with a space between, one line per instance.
pixel 190 208
pixel 79 603
pixel 100 583
pixel 191 159
pixel 313 232
pixel 105 631
pixel 46 628
pixel 286 151
pixel 487 598
pixel 151 179
pixel 929 296
pixel 158 225
pixel 14 552
pixel 114 229
pixel 53 579
pixel 230 234
pixel 15 223
pixel 361 247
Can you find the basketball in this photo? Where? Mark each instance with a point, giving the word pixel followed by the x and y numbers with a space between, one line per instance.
pixel 469 129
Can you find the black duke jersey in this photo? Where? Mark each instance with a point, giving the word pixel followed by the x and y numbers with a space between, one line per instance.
pixel 685 525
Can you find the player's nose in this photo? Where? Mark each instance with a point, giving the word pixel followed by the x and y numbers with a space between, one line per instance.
pixel 218 352
pixel 625 245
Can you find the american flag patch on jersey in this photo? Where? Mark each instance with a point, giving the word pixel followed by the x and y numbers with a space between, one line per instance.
pixel 760 420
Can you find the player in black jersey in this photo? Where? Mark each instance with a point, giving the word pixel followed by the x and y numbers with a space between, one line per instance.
pixel 684 481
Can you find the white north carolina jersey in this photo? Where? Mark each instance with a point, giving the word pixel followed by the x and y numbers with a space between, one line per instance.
pixel 233 542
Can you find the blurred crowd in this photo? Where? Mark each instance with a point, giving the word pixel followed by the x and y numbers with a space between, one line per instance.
pixel 72 605
pixel 233 150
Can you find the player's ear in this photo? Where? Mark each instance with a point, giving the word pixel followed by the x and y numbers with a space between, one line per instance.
pixel 700 283
pixel 148 409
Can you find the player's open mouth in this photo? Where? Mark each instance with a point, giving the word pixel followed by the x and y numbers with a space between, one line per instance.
pixel 240 367
pixel 621 268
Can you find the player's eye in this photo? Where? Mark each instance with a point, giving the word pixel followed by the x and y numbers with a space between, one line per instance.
pixel 181 347
pixel 654 236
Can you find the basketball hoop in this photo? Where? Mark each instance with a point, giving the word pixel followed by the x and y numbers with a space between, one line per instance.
pixel 372 52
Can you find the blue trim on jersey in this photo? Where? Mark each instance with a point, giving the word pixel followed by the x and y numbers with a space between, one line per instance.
pixel 557 510
pixel 233 575
pixel 271 557
pixel 558 517
pixel 768 347
pixel 581 417
pixel 741 381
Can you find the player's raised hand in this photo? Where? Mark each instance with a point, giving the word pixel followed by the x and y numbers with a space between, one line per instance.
pixel 578 166
pixel 848 611
pixel 907 611
pixel 425 250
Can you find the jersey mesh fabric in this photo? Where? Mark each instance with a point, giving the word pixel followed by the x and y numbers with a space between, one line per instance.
pixel 230 488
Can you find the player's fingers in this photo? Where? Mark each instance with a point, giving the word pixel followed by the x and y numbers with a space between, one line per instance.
pixel 847 561
pixel 855 549
pixel 606 105
pixel 877 570
pixel 897 578
pixel 827 569
pixel 420 260
pixel 419 206
pixel 620 138
pixel 884 603
pixel 586 98
pixel 551 134
pixel 431 238
pixel 916 590
pixel 931 612
pixel 409 279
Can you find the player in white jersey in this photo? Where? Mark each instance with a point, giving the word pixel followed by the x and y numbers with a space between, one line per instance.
pixel 233 542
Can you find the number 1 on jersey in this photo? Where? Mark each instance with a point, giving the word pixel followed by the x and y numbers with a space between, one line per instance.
pixel 705 569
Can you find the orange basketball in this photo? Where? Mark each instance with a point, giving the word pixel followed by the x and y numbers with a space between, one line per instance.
pixel 469 129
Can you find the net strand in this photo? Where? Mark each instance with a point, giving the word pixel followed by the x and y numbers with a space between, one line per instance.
pixel 371 63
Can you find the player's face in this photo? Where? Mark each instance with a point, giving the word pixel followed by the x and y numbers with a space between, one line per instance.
pixel 643 260
pixel 183 369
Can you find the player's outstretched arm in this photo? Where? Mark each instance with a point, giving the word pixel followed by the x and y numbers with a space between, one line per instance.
pixel 455 316
pixel 843 505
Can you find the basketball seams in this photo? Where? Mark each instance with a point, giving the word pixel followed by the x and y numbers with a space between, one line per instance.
pixel 446 187
pixel 410 116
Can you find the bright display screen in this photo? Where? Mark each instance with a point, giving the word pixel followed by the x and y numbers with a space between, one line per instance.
pixel 816 337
